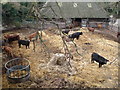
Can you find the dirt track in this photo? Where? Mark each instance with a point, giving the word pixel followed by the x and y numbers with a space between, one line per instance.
pixel 88 75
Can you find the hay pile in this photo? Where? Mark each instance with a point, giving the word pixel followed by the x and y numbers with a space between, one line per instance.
pixel 59 63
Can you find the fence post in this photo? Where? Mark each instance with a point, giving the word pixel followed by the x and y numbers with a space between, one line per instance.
pixel 34 45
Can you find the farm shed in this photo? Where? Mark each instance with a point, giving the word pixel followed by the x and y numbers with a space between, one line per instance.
pixel 83 13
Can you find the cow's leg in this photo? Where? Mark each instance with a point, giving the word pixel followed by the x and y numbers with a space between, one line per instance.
pixel 8 54
pixel 77 37
pixel 26 46
pixel 100 65
pixel 92 60
pixel 36 37
pixel 11 55
pixel 19 45
pixel 73 39
pixel 9 41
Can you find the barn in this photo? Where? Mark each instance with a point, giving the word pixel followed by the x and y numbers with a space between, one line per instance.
pixel 79 13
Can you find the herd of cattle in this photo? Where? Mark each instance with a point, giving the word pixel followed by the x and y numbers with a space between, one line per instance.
pixel 9 38
pixel 95 56
pixel 26 42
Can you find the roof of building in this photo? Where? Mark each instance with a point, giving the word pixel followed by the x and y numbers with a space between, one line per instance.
pixel 73 10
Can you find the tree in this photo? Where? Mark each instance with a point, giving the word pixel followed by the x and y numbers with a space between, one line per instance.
pixel 13 14
pixel 113 8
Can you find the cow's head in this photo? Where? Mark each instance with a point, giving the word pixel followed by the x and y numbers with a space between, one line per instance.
pixel 107 60
pixel 80 33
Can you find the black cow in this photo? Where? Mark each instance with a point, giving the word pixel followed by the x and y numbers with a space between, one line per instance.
pixel 75 35
pixel 65 31
pixel 24 42
pixel 96 57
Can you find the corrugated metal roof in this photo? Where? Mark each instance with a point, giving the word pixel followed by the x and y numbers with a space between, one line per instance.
pixel 74 10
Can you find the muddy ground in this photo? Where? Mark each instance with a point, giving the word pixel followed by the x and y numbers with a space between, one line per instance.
pixel 88 75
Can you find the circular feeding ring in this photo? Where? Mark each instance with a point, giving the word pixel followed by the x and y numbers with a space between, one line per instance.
pixel 18 69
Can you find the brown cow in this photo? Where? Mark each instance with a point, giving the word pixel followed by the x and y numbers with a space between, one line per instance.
pixel 91 29
pixel 32 36
pixel 8 50
pixel 12 37
pixel 70 26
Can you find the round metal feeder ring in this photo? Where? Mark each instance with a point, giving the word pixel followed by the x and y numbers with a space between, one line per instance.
pixel 18 70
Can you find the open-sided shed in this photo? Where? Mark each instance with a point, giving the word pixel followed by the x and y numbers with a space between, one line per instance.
pixel 81 11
